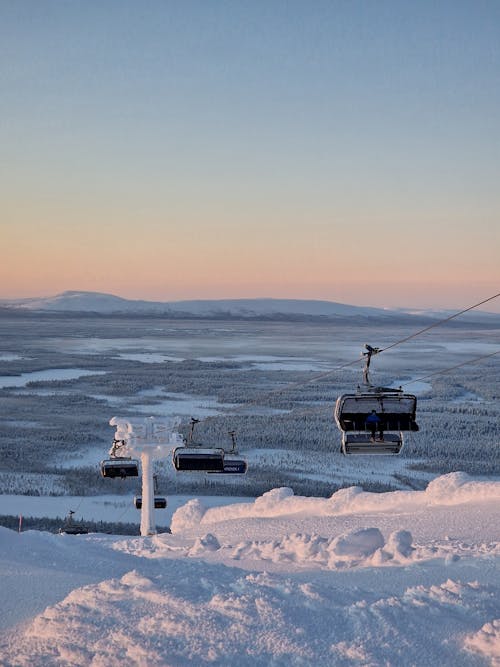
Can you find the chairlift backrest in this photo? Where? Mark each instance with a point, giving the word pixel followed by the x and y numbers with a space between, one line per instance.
pixel 120 467
pixel 198 459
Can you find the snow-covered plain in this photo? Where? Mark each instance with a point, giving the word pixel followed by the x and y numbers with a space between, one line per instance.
pixel 46 375
pixel 400 578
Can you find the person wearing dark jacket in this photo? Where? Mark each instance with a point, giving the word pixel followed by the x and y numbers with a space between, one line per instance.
pixel 373 422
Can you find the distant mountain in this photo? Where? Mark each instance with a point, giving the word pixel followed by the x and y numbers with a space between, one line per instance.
pixel 95 302
pixel 269 309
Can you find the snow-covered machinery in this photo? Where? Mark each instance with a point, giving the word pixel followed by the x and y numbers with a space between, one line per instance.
pixel 150 439
pixel 196 457
pixel 119 466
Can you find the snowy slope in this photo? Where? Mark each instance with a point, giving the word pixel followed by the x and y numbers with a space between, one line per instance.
pixel 402 578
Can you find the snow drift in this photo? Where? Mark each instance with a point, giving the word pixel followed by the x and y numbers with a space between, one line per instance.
pixel 355 579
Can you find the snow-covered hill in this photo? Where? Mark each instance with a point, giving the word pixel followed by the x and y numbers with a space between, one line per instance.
pixel 75 301
pixel 279 309
pixel 93 302
pixel 402 578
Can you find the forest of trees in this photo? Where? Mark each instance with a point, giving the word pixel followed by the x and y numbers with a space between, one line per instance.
pixel 46 423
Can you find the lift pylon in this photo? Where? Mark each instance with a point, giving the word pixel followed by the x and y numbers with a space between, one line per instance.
pixel 149 439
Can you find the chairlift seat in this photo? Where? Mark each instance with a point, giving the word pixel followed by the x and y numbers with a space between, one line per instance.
pixel 160 502
pixel 361 443
pixel 120 467
pixel 197 459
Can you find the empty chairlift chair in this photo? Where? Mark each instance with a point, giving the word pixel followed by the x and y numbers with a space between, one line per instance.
pixel 120 467
pixel 232 465
pixel 160 502
pixel 373 421
pixel 70 527
pixel 193 458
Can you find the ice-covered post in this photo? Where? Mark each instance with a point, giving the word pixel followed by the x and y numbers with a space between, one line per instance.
pixel 148 526
pixel 150 439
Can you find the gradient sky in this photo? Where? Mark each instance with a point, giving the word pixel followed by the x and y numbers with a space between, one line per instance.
pixel 342 150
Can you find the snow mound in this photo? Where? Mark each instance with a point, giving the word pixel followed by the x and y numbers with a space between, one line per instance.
pixel 486 642
pixel 187 516
pixel 400 544
pixel 364 547
pixel 359 543
pixel 457 487
pixel 203 544
pixel 451 489
pixel 339 581
pixel 271 499
pixel 223 617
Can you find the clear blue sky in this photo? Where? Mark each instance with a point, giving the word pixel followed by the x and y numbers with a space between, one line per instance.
pixel 339 150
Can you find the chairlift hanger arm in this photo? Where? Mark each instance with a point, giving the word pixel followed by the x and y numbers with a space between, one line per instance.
pixel 116 446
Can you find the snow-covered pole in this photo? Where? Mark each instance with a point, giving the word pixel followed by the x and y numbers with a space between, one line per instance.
pixel 150 439
pixel 148 526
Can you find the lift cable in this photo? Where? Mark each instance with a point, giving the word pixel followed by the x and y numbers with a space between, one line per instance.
pixel 79 504
pixel 399 342
pixel 320 376
pixel 439 322
pixel 452 368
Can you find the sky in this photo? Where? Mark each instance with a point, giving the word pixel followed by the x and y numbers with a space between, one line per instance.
pixel 341 150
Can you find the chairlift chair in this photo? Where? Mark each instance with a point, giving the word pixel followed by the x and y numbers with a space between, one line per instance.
pixel 194 458
pixel 232 465
pixel 396 412
pixel 160 502
pixel 120 466
pixel 71 528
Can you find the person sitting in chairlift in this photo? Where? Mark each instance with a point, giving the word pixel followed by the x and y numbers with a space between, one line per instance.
pixel 373 422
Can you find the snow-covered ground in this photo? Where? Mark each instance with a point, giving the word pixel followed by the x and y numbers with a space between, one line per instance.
pixel 401 578
pixel 109 508
pixel 44 376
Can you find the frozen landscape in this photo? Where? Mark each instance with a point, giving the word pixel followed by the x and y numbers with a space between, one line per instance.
pixel 311 558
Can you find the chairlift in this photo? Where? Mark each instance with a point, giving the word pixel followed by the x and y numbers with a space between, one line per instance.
pixel 395 410
pixel 71 528
pixel 195 457
pixel 232 465
pixel 160 502
pixel 120 466
pixel 373 420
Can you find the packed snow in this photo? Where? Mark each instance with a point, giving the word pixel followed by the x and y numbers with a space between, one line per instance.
pixel 399 578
